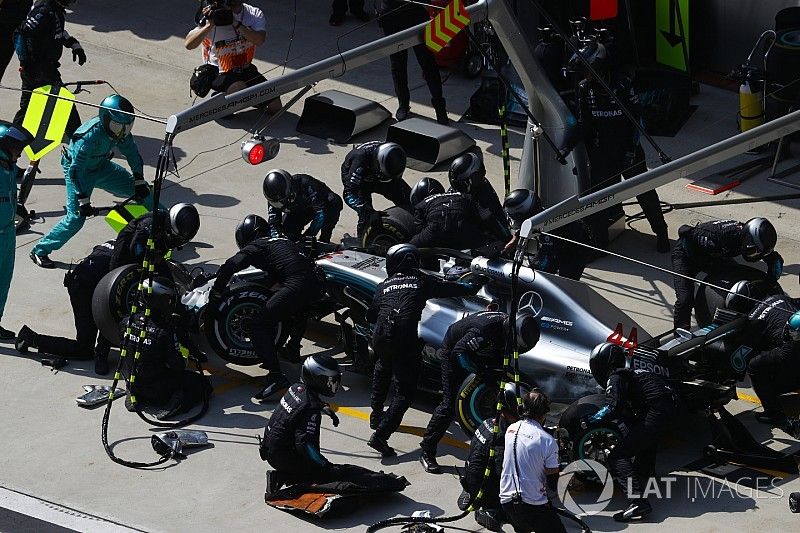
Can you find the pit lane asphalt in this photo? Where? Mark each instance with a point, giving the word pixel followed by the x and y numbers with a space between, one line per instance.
pixel 51 448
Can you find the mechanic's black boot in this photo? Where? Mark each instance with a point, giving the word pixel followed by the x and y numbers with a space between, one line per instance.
pixel 42 260
pixel 276 383
pixel 274 483
pixel 380 445
pixel 26 338
pixel 7 335
pixel 775 419
pixel 402 112
pixel 662 243
pixel 489 518
pixel 429 463
pixel 441 111
pixel 637 509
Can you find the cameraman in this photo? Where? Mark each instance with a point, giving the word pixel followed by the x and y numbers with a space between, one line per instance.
pixel 230 31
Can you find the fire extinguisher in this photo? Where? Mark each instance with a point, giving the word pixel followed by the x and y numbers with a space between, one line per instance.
pixel 751 102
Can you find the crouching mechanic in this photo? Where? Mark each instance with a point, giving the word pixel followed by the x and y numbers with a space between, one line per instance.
pixel 374 167
pixel 473 344
pixel 291 438
pixel 87 164
pixel 299 200
pixel 701 247
pixel 554 256
pixel 181 224
pixel 283 263
pixel 467 175
pixel 653 403
pixel 776 371
pixel 530 468
pixel 445 219
pixel 158 377
pixel 13 140
pixel 396 310
pixel 489 436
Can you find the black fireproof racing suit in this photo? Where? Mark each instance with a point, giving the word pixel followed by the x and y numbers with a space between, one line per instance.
pixel 80 283
pixel 492 209
pixel 131 244
pixel 396 16
pixel 474 342
pixel 775 368
pixel 314 205
pixel 396 310
pixel 160 369
pixel 701 249
pixel 361 178
pixel 291 438
pixel 300 287
pixel 478 460
pixel 653 404
pixel 39 41
pixel 12 13
pixel 613 145
pixel 450 220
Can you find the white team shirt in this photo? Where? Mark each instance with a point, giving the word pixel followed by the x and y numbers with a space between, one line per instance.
pixel 536 450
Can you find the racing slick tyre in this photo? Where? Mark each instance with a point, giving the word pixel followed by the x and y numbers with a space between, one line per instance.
pixel 594 443
pixel 396 226
pixel 708 299
pixel 475 402
pixel 112 300
pixel 228 323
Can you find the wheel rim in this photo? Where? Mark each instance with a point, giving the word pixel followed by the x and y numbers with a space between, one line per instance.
pixel 597 444
pixel 238 323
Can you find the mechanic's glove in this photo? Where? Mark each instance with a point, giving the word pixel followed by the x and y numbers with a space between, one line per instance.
pixel 328 410
pixel 374 218
pixel 474 343
pixel 141 189
pixel 78 54
pixel 774 265
pixel 214 295
pixel 85 207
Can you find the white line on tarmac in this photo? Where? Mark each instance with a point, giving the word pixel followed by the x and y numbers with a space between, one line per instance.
pixel 58 514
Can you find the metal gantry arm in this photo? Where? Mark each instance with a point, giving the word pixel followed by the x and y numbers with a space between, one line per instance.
pixel 575 208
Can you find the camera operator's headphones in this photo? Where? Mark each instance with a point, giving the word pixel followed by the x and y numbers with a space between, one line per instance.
pixel 535 404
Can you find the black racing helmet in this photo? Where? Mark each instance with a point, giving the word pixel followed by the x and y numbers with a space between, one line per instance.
pixel 184 222
pixel 466 171
pixel 278 188
pixel 13 138
pixel 391 161
pixel 160 295
pixel 321 374
pixel 403 257
pixel 252 227
pixel 760 238
pixel 522 204
pixel 604 359
pixel 740 296
pixel 424 188
pixel 509 398
pixel 528 330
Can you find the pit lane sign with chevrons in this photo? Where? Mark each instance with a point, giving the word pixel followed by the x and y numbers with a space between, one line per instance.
pixel 446 25
pixel 47 118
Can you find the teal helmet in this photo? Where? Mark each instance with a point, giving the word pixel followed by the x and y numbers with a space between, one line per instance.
pixel 116 116
pixel 12 139
pixel 793 327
